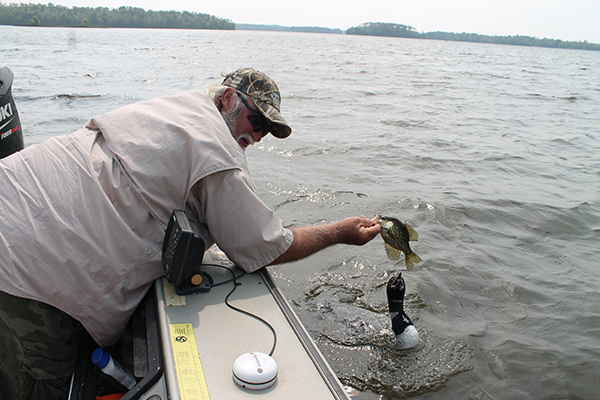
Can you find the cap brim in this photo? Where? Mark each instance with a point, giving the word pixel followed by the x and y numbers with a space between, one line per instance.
pixel 280 131
pixel 280 128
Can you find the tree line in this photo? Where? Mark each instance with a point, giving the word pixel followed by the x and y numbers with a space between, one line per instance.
pixel 132 17
pixel 280 28
pixel 122 17
pixel 397 30
pixel 383 29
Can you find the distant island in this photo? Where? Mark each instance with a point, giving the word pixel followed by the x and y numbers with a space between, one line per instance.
pixel 133 17
pixel 279 28
pixel 405 31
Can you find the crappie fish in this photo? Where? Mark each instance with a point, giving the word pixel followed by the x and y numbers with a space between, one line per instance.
pixel 396 236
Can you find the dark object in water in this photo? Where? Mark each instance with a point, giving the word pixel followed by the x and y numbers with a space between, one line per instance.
pixel 406 334
pixel 11 134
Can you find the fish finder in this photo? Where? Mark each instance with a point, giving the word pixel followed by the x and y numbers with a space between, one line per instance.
pixel 182 252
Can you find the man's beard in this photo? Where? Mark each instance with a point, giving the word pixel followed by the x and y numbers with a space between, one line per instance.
pixel 230 117
pixel 248 136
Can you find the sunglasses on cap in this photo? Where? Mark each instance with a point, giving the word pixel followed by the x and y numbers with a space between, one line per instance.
pixel 258 121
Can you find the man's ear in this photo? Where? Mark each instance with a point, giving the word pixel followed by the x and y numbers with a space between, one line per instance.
pixel 227 99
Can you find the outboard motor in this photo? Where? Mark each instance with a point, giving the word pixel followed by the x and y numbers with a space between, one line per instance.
pixel 11 134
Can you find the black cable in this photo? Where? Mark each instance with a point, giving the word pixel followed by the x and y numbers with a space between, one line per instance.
pixel 235 285
pixel 228 280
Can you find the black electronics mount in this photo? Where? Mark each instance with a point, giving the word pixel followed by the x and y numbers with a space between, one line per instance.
pixel 182 252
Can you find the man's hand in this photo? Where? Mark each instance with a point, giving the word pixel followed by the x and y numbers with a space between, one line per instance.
pixel 357 230
pixel 310 239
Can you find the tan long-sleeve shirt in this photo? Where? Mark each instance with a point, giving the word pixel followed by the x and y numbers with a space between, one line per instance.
pixel 82 216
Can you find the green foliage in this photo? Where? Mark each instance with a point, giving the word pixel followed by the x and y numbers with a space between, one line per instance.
pixel 383 29
pixel 310 29
pixel 122 17
pixel 34 21
pixel 132 17
pixel 397 30
pixel 510 40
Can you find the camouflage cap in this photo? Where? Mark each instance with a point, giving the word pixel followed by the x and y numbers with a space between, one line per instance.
pixel 265 94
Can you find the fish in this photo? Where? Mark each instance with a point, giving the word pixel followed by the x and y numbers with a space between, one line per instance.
pixel 407 335
pixel 396 236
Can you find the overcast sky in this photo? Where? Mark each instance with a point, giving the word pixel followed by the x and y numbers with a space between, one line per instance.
pixel 576 20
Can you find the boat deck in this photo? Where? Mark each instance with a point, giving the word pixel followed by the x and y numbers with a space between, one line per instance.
pixel 221 335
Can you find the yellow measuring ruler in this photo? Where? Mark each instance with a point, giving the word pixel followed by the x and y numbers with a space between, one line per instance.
pixel 192 384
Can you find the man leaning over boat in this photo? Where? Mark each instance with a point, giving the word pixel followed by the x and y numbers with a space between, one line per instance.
pixel 83 216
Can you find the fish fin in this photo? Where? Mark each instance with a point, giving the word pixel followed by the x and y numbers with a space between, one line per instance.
pixel 411 260
pixel 392 253
pixel 412 234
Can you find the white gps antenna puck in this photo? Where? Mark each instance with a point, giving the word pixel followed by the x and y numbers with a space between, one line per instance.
pixel 255 371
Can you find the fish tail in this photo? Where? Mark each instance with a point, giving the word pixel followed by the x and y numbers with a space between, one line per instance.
pixel 411 260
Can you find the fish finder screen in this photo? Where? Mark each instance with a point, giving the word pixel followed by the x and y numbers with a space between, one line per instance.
pixel 183 249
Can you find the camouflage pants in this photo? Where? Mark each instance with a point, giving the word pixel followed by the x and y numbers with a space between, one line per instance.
pixel 38 349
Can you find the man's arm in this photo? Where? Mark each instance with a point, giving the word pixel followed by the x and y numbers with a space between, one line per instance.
pixel 310 239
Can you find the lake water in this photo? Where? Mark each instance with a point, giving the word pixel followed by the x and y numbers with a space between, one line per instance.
pixel 491 153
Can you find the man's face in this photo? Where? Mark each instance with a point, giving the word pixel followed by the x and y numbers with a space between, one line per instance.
pixel 235 111
pixel 242 131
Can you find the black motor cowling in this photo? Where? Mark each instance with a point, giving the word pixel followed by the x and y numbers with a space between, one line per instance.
pixel 11 134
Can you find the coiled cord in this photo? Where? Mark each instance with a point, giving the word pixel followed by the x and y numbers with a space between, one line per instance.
pixel 249 314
